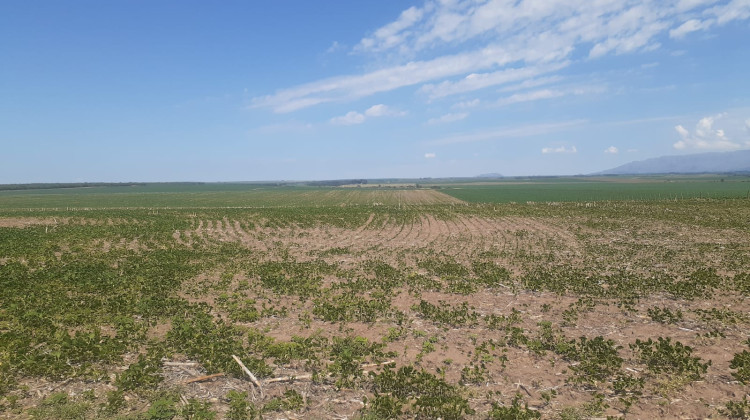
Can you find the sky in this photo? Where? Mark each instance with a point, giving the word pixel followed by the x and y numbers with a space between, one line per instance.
pixel 168 90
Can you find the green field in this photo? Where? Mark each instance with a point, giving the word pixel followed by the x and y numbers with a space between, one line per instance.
pixel 203 196
pixel 377 303
pixel 598 189
pixel 507 190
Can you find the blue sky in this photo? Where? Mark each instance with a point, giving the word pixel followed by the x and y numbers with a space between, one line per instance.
pixel 245 90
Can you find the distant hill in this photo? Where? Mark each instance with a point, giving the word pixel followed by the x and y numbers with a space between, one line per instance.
pixel 490 175
pixel 722 162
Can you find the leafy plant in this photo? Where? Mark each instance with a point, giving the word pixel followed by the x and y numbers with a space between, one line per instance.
pixel 665 315
pixel 197 410
pixel 597 360
pixel 672 364
pixel 741 362
pixel 446 314
pixel 291 401
pixel 213 344
pixel 515 411
pixel 426 395
pixel 737 409
pixel 474 374
pixel 143 374
pixel 59 406
pixel 628 389
pixel 161 409
pixel 240 408
pixel 349 353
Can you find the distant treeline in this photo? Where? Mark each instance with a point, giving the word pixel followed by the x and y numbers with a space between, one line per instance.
pixel 336 183
pixel 51 186
pixel 43 186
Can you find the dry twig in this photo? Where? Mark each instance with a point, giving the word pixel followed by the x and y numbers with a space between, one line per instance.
pixel 203 378
pixel 253 379
pixel 189 364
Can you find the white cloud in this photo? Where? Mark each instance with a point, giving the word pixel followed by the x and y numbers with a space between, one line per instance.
pixel 354 117
pixel 430 155
pixel 351 118
pixel 705 136
pixel 690 26
pixel 502 41
pixel 377 110
pixel 393 33
pixel 714 16
pixel 531 96
pixel 540 94
pixel 527 84
pixel 509 132
pixel 335 46
pixel 734 10
pixel 685 5
pixel 383 80
pixel 561 149
pixel 466 104
pixel 381 110
pixel 476 81
pixel 448 118
pixel 612 150
pixel 747 124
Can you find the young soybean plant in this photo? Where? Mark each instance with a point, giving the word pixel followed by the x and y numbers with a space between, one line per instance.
pixel 741 362
pixel 674 359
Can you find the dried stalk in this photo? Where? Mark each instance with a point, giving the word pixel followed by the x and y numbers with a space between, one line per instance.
pixel 203 378
pixel 189 364
pixel 288 379
pixel 253 379
pixel 308 376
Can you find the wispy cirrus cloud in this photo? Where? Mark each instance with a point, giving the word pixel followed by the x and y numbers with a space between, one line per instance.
pixel 448 118
pixel 508 132
pixel 716 15
pixel 503 41
pixel 541 94
pixel 467 104
pixel 476 81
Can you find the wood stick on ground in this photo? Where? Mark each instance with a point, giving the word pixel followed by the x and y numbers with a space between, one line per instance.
pixel 189 364
pixel 308 376
pixel 203 378
pixel 253 379
pixel 288 379
pixel 371 365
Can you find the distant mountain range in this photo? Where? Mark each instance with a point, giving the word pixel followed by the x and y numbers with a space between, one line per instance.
pixel 723 162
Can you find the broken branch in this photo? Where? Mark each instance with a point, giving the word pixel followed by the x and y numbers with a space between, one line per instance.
pixel 203 378
pixel 253 379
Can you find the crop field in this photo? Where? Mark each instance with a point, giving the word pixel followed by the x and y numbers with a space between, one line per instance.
pixel 216 195
pixel 372 303
pixel 654 187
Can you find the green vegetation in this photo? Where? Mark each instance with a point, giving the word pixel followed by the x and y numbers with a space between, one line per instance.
pixel 587 189
pixel 369 302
